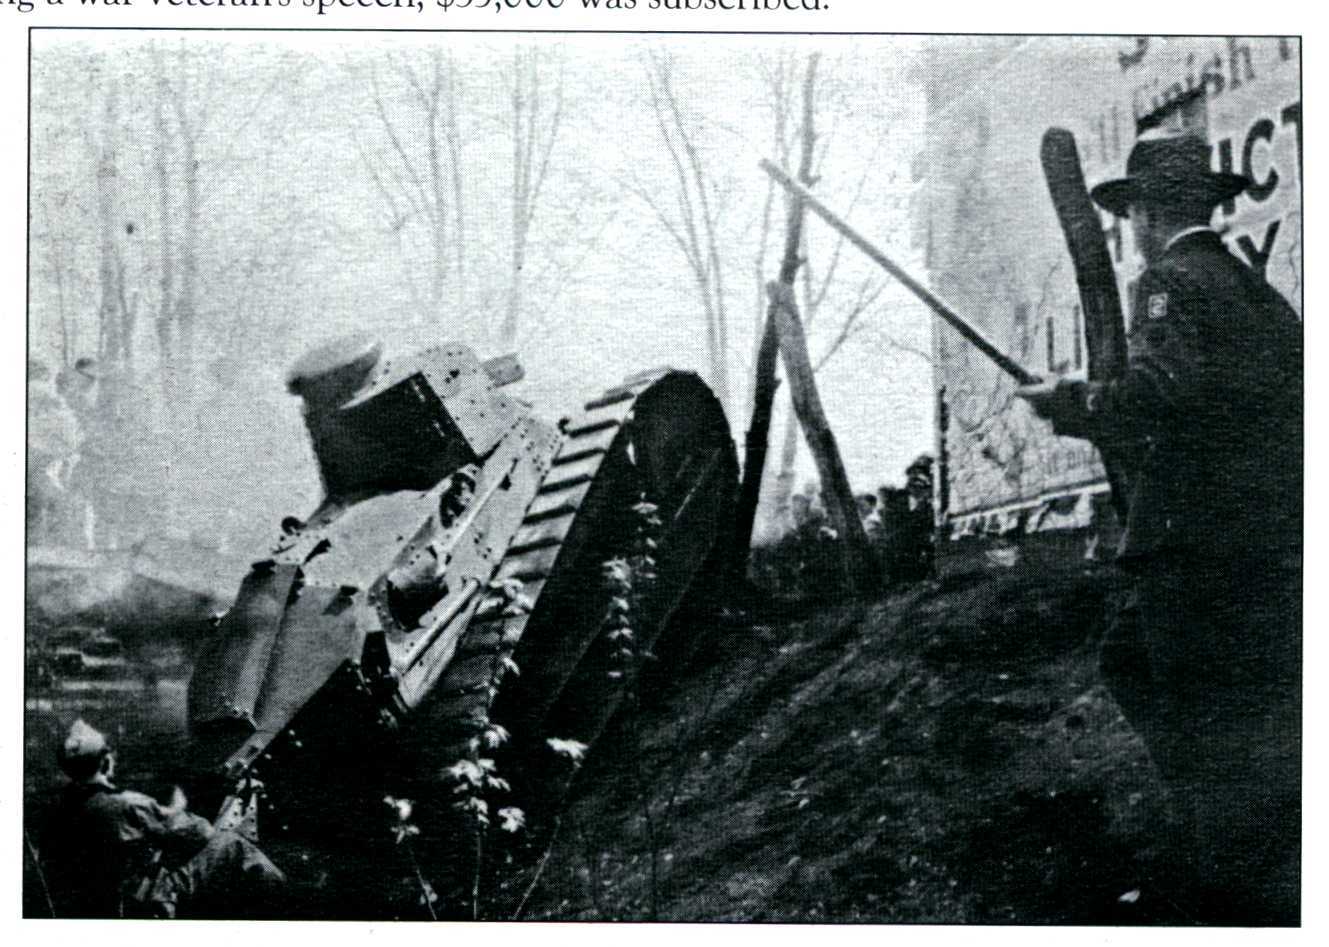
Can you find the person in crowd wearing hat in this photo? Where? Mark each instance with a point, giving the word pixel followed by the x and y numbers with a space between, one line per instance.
pixel 1205 656
pixel 111 852
pixel 918 487
pixel 869 515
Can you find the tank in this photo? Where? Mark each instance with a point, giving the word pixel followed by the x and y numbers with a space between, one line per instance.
pixel 462 584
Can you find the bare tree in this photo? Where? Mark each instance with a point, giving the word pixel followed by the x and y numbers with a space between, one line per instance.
pixel 182 110
pixel 692 220
pixel 109 412
pixel 165 318
pixel 52 210
pixel 534 128
pixel 779 76
pixel 114 315
pixel 423 191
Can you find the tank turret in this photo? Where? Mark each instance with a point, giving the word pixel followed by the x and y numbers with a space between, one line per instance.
pixel 381 424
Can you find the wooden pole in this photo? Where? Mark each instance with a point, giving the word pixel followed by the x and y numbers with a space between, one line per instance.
pixel 783 334
pixel 861 569
pixel 755 445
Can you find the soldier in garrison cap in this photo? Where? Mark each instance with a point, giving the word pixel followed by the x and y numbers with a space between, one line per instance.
pixel 111 852
pixel 1205 657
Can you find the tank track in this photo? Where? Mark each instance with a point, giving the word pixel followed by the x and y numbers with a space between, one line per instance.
pixel 466 693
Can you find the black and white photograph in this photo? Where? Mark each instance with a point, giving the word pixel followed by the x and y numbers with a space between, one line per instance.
pixel 792 478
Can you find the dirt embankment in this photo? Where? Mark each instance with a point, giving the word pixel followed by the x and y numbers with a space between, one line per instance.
pixel 947 754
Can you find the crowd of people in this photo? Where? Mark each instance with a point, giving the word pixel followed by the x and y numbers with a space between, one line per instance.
pixel 898 521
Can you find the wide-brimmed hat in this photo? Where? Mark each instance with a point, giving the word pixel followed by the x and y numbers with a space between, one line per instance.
pixel 1170 168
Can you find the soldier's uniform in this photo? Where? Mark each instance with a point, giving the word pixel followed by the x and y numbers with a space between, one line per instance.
pixel 1209 412
pixel 111 852
pixel 1205 656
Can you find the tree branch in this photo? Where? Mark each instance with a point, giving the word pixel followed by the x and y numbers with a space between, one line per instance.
pixel 421 201
pixel 867 295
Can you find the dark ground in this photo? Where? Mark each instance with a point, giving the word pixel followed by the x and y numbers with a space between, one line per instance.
pixel 945 754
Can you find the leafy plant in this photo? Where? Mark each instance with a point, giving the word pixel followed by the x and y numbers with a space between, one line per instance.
pixel 473 780
pixel 404 832
pixel 574 751
pixel 628 580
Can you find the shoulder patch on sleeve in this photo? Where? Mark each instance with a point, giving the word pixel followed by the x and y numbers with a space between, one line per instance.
pixel 1157 307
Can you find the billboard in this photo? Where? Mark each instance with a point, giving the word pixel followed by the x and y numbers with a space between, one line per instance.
pixel 995 252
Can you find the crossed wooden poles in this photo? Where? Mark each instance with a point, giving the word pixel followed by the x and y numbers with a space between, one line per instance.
pixel 783 334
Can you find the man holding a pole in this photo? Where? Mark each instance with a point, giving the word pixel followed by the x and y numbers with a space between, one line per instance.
pixel 1206 420
pixel 1205 659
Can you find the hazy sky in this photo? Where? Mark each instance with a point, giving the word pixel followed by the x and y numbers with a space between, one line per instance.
pixel 299 246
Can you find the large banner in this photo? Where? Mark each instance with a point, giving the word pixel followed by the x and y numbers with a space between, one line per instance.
pixel 996 253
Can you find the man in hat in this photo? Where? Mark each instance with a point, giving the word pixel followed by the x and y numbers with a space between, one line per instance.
pixel 112 852
pixel 1205 657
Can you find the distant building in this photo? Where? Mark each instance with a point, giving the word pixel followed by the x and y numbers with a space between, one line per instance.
pixel 994 250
